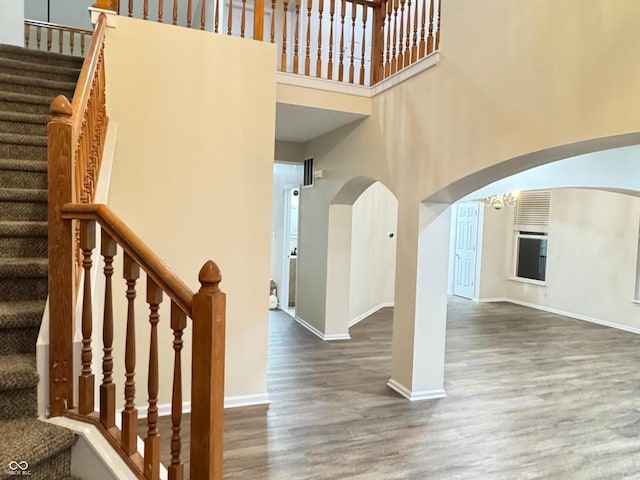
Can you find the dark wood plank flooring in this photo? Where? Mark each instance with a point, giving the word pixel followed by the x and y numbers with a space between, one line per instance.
pixel 530 395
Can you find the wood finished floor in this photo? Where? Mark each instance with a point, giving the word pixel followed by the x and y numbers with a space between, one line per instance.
pixel 530 395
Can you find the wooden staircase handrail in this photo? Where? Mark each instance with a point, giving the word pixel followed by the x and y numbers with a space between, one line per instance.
pixel 90 66
pixel 136 248
pixel 57 26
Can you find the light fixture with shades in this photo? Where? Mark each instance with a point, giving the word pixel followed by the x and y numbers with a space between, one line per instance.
pixel 502 200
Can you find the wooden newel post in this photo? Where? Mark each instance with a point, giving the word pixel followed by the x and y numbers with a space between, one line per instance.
pixel 112 5
pixel 61 261
pixel 207 375
pixel 377 42
pixel 258 20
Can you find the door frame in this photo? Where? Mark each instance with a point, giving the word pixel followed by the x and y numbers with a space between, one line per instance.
pixel 283 294
pixel 478 250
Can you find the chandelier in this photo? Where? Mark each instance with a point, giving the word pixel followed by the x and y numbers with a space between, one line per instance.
pixel 502 200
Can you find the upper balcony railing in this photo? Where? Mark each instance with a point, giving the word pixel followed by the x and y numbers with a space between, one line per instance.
pixel 354 41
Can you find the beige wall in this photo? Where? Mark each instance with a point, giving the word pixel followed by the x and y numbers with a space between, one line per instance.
pixel 591 267
pixel 512 80
pixel 373 252
pixel 495 245
pixel 192 176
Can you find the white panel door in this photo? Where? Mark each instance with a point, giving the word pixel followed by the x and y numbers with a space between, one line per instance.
pixel 466 246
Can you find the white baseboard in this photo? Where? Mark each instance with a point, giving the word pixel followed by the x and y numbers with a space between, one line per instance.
pixel 371 311
pixel 415 396
pixel 490 300
pixel 164 409
pixel 247 400
pixel 576 316
pixel 319 334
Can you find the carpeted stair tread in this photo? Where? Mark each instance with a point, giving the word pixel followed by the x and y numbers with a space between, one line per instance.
pixel 26 98
pixel 38 69
pixel 19 139
pixel 23 165
pixel 26 314
pixel 22 195
pixel 37 82
pixel 13 116
pixel 32 440
pixel 23 229
pixel 17 372
pixel 23 267
pixel 43 58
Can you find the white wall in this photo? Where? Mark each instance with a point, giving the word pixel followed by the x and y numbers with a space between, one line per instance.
pixel 591 267
pixel 192 176
pixel 373 252
pixel 284 174
pixel 12 22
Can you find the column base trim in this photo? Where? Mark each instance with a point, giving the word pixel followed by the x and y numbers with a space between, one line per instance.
pixel 328 338
pixel 415 396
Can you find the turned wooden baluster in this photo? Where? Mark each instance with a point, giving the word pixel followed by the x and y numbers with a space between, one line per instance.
pixel 401 38
pixel 438 29
pixel 230 17
pixel 174 20
pixel 332 11
pixel 407 42
pixel 307 58
pixel 130 13
pixel 341 54
pixel 178 324
pixel 72 36
pixel 387 62
pixel 364 42
pixel 243 17
pixel 60 40
pixel 414 45
pixel 319 60
pixel 216 19
pixel 394 59
pixel 296 44
pixel 145 10
pixel 108 248
pixel 130 412
pixel 152 441
pixel 203 14
pixel 82 42
pixel 189 14
pixel 27 35
pixel 207 376
pixel 353 40
pixel 283 57
pixel 160 11
pixel 86 380
pixel 38 37
pixel 430 36
pixel 49 39
pixel 273 22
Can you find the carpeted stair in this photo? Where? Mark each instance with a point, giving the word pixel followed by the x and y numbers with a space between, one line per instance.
pixel 29 80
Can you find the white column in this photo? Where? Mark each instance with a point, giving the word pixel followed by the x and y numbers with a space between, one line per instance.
pixel 12 22
pixel 338 273
pixel 420 316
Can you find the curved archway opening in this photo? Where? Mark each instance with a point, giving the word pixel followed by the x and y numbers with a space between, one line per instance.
pixel 361 254
pixel 614 170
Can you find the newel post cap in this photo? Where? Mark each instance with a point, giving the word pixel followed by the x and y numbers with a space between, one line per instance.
pixel 209 277
pixel 61 107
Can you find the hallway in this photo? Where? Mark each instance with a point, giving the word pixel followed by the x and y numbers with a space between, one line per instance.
pixel 530 395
